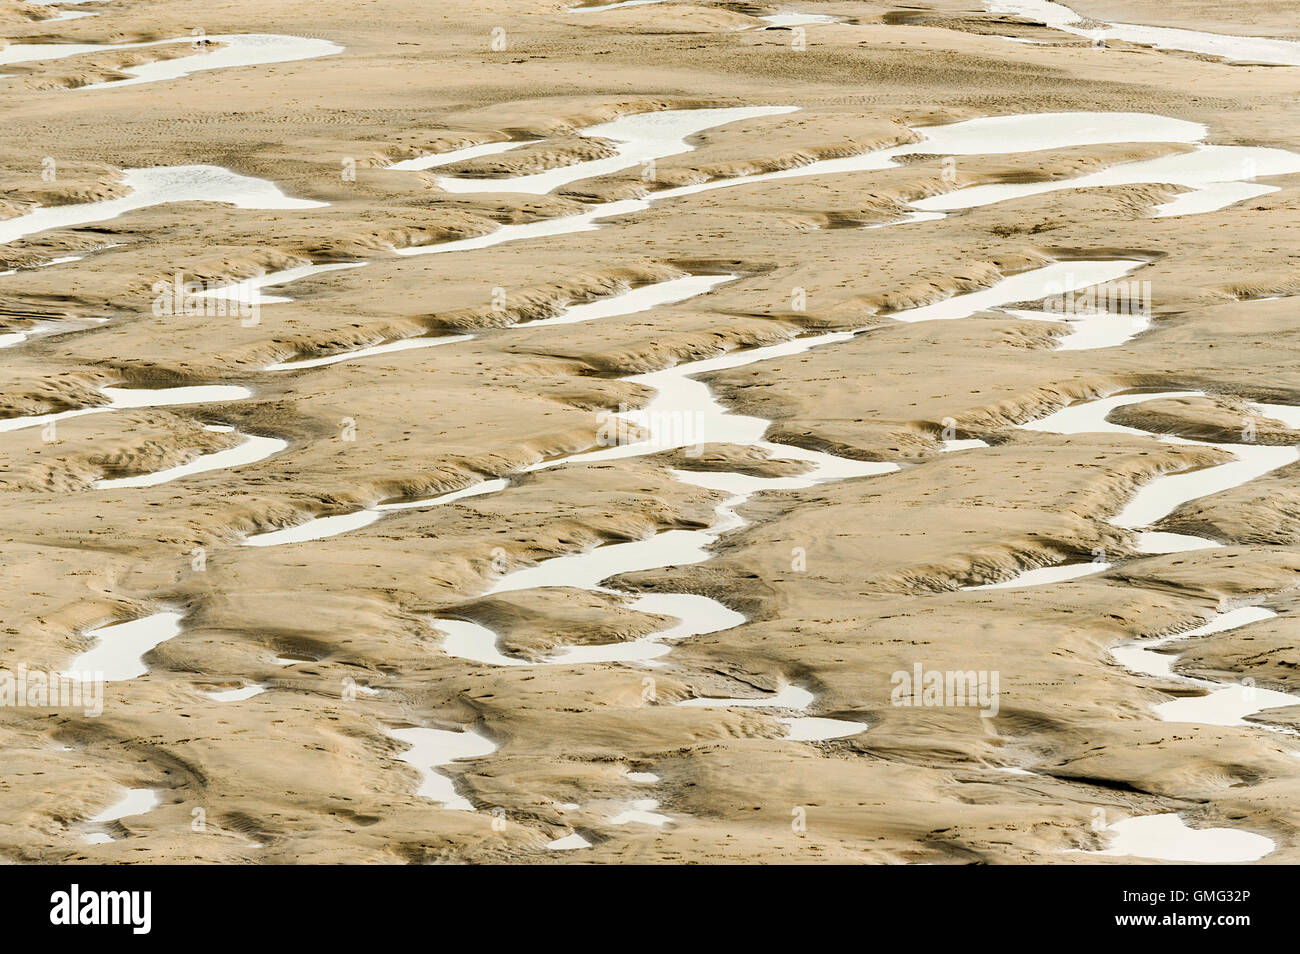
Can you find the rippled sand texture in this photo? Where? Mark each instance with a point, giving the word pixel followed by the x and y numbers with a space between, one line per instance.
pixel 520 432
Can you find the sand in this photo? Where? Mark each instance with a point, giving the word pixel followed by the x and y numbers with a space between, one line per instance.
pixel 369 741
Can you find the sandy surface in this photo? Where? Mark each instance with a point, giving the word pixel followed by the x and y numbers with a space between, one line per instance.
pixel 841 584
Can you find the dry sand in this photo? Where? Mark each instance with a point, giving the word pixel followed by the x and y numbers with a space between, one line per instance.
pixel 842 584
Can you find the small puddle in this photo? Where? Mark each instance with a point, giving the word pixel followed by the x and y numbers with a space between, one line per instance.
pixel 431 748
pixel 156 186
pixel 791 697
pixel 798 729
pixel 235 695
pixel 251 450
pixel 1212 173
pixel 636 300
pixel 136 801
pixel 466 640
pixel 784 21
pixel 48 330
pixel 568 843
pixel 120 647
pixel 613 6
pixel 815 729
pixel 1168 838
pixel 435 159
pixel 1089 332
pixel 1246 49
pixel 248 49
pixel 248 291
pixel 318 528
pixel 119 398
pixel 1054 279
pixel 641 811
pixel 61 15
pixel 1044 575
pixel 315 529
pixel 388 347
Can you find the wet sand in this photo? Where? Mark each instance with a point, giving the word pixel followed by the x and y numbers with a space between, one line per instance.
pixel 580 417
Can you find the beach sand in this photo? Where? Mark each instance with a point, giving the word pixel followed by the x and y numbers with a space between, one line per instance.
pixel 840 584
